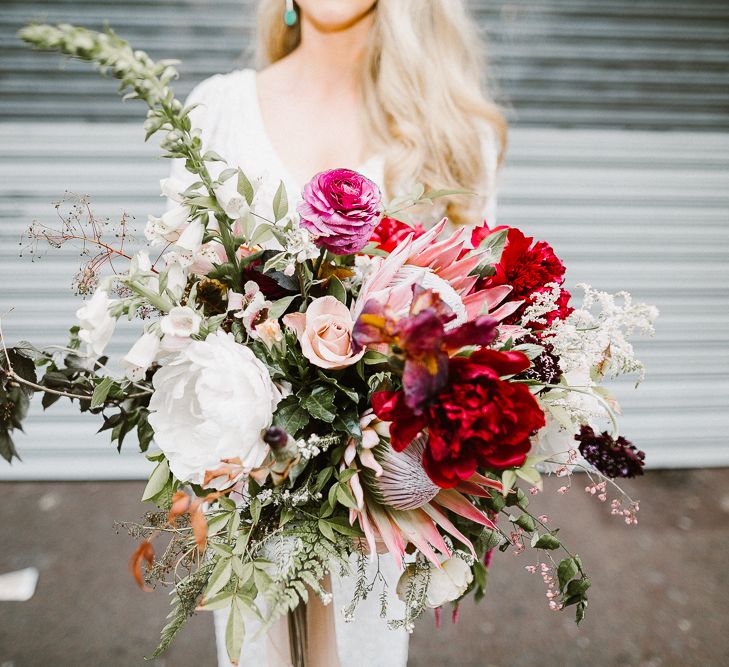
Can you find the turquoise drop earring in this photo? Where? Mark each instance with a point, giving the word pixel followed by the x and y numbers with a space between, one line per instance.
pixel 290 17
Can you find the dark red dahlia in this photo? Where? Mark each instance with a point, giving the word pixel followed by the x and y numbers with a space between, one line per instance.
pixel 477 419
pixel 614 458
pixel 390 232
pixel 528 267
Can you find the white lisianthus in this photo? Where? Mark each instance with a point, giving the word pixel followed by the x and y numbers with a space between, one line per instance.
pixel 213 402
pixel 96 324
pixel 447 582
pixel 168 227
pixel 141 356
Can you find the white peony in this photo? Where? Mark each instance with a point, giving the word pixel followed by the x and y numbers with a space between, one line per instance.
pixel 213 402
pixel 96 324
pixel 447 582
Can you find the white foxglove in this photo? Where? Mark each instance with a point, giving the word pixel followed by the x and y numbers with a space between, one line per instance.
pixel 96 324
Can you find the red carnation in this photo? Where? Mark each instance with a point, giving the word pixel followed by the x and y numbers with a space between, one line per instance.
pixel 390 232
pixel 477 419
pixel 528 267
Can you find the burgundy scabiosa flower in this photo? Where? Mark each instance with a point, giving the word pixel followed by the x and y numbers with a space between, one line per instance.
pixel 614 458
pixel 545 368
pixel 340 208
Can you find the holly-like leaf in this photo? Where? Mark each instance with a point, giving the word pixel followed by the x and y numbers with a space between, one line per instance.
pixel 290 416
pixel 320 403
pixel 547 541
pixel 566 570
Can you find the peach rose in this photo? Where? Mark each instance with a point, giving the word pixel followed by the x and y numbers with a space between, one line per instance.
pixel 325 333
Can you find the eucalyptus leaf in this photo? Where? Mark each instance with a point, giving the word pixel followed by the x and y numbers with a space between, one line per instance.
pixel 157 480
pixel 101 391
pixel 235 632
pixel 245 188
pixel 336 289
pixel 280 203
pixel 219 577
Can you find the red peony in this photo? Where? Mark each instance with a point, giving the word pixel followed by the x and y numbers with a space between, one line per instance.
pixel 390 233
pixel 528 267
pixel 477 419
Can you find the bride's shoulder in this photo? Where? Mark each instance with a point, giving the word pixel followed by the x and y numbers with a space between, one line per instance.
pixel 220 87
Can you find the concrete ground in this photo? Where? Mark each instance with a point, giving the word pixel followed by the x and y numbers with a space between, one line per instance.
pixel 660 595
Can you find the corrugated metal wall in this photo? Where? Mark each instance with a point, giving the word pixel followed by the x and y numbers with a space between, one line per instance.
pixel 619 156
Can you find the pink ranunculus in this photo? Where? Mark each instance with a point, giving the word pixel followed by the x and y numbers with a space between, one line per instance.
pixel 340 209
pixel 325 333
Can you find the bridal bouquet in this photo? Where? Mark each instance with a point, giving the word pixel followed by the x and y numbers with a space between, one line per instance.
pixel 326 384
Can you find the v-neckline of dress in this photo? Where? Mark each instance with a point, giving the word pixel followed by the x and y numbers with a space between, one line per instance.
pixel 285 173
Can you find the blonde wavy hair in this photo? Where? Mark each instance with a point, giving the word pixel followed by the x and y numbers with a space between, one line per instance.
pixel 425 105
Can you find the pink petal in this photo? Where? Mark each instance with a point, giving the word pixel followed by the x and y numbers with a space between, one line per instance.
pixel 457 503
pixel 444 522
pixel 391 535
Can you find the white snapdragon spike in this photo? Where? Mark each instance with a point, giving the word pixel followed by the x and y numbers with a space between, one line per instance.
pixel 214 401
pixel 96 324
pixel 168 227
pixel 447 582
pixel 141 356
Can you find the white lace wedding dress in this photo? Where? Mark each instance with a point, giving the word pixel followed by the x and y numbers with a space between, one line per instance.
pixel 230 119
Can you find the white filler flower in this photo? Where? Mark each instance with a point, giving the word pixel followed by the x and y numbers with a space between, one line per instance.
pixel 213 402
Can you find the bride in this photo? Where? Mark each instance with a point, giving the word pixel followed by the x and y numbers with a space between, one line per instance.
pixel 393 89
